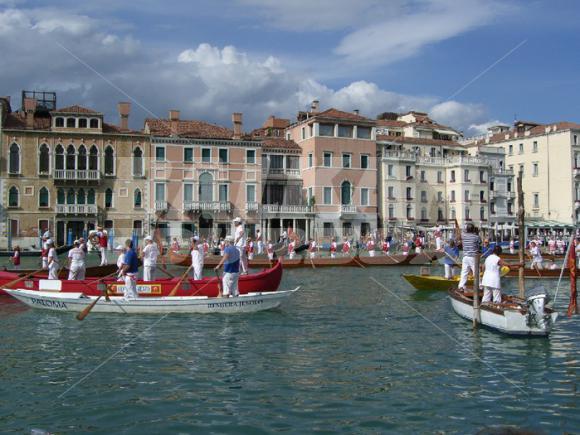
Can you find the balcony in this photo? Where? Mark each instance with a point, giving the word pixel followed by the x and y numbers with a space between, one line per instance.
pixel 280 172
pixel 161 206
pixel 76 209
pixel 252 207
pixel 286 209
pixel 214 206
pixel 347 210
pixel 76 175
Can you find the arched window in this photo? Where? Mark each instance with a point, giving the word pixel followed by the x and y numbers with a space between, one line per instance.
pixel 70 196
pixel 138 162
pixel 13 197
pixel 70 122
pixel 205 187
pixel 91 197
pixel 43 199
pixel 94 123
pixel 14 159
pixel 345 193
pixel 70 157
pixel 60 198
pixel 94 159
pixel 108 198
pixel 82 158
pixel 43 159
pixel 482 213
pixel 59 122
pixel 59 157
pixel 109 161
pixel 82 122
pixel 81 196
pixel 137 199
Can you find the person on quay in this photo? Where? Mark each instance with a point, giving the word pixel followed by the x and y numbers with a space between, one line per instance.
pixel 537 260
pixel 491 280
pixel 53 264
pixel 15 258
pixel 240 244
pixel 250 249
pixel 175 245
pixel 76 262
pixel 512 246
pixel 259 242
pixel 451 258
pixel 291 251
pixel 196 259
pixel 312 248
pixel 103 242
pixel 371 247
pixel 471 243
pixel 129 271
pixel 333 248
pixel 120 261
pixel 231 263
pixel 386 247
pixel 346 247
pixel 150 254
pixel 270 250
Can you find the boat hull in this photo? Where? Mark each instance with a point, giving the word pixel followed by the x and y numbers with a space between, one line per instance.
pixel 76 302
pixel 430 282
pixel 539 274
pixel 510 319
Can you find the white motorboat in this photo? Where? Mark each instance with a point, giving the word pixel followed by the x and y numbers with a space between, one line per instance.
pixel 513 316
pixel 76 302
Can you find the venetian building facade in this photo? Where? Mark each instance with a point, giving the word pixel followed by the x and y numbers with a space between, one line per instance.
pixel 68 171
pixel 338 170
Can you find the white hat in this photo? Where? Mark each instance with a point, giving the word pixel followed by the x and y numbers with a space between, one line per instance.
pixel 76 241
pixel 148 238
pixel 238 220
pixel 119 248
pixel 49 241
pixel 229 239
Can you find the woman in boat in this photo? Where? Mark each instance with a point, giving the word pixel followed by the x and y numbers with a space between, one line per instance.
pixel 196 259
pixel 53 264
pixel 491 280
pixel 76 262
pixel 450 261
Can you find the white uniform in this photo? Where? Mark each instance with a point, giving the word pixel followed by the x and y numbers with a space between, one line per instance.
pixel 45 258
pixel 230 284
pixel 491 280
pixel 270 250
pixel 438 243
pixel 537 259
pixel 197 263
pixel 77 264
pixel 53 266
pixel 150 254
pixel 120 262
pixel 240 237
pixel 260 243
pixel 312 249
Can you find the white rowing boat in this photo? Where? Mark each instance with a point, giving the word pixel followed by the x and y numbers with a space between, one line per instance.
pixel 76 302
pixel 513 316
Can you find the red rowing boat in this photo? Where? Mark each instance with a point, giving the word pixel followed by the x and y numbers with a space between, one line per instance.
pixel 265 281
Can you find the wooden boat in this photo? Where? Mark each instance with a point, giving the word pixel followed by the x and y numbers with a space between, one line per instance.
pixel 265 281
pixel 513 316
pixel 540 274
pixel 76 302
pixel 439 283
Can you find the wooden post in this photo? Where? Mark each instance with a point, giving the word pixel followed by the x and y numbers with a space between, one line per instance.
pixel 522 229
pixel 476 312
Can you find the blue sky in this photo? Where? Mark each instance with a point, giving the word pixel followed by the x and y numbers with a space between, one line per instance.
pixel 262 57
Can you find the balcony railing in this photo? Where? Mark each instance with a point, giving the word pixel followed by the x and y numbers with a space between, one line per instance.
pixel 252 207
pixel 161 206
pixel 76 209
pixel 281 172
pixel 77 175
pixel 347 209
pixel 275 208
pixel 215 206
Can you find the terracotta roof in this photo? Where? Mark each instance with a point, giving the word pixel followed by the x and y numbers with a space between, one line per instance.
pixel 535 131
pixel 417 140
pixel 339 114
pixel 17 121
pixel 190 129
pixel 279 143
pixel 76 109
pixel 390 123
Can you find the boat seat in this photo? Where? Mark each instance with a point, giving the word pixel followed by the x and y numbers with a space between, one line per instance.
pixel 50 285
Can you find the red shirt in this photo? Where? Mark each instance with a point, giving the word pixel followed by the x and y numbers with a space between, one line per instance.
pixel 345 247
pixel 103 240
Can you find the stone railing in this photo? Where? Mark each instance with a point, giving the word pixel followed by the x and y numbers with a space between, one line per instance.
pixel 76 209
pixel 77 175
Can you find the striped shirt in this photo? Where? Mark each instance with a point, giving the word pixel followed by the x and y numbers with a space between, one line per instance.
pixel 471 244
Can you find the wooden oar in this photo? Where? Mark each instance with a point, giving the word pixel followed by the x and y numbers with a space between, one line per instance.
pixel 22 278
pixel 172 293
pixel 170 275
pixel 84 313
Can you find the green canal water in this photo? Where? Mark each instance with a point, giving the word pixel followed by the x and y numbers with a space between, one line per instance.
pixel 344 355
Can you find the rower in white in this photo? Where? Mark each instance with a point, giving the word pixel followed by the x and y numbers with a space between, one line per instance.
pixel 53 264
pixel 196 259
pixel 76 259
pixel 240 244
pixel 150 254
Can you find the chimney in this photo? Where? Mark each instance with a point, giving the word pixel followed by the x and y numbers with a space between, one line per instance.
pixel 174 121
pixel 29 110
pixel 314 106
pixel 237 120
pixel 124 108
pixel 355 111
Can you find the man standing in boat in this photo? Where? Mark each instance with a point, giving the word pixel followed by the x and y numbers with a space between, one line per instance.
pixel 150 254
pixel 491 280
pixel 53 265
pixel 259 242
pixel 76 258
pixel 231 263
pixel 129 271
pixel 471 243
pixel 197 259
pixel 103 242
pixel 240 244
pixel 537 260
pixel 450 261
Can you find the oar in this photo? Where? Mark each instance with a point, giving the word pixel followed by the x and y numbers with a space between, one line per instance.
pixel 170 275
pixel 84 313
pixel 22 278
pixel 219 284
pixel 172 293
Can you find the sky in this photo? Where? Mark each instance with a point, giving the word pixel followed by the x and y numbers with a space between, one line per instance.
pixel 469 63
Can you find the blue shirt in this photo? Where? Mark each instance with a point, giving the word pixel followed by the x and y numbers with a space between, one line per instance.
pixel 453 252
pixel 131 261
pixel 232 264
